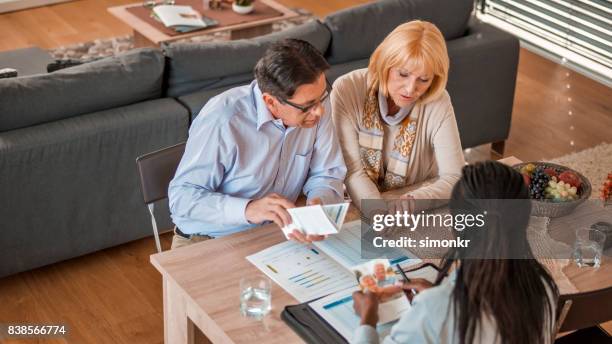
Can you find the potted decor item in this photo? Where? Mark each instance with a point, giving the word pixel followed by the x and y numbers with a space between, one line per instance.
pixel 243 6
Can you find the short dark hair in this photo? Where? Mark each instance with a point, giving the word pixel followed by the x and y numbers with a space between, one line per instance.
pixel 288 64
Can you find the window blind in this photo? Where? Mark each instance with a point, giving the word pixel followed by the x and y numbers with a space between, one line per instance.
pixel 583 27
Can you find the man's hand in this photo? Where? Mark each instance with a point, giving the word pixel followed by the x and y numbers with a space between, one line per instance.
pixel 272 207
pixel 366 307
pixel 301 237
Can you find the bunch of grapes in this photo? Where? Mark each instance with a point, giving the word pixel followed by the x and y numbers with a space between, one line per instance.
pixel 560 191
pixel 539 182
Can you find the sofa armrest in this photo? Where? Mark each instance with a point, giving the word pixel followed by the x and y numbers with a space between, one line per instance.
pixel 482 79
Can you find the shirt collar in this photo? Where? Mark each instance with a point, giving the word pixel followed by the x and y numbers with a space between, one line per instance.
pixel 263 114
pixel 384 111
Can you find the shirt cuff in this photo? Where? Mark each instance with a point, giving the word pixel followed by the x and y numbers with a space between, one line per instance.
pixel 235 210
pixel 365 334
pixel 326 195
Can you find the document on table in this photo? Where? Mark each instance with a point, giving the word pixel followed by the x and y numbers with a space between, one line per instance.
pixel 345 248
pixel 309 272
pixel 303 271
pixel 337 308
pixel 317 219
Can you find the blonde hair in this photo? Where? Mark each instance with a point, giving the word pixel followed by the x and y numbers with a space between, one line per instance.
pixel 417 43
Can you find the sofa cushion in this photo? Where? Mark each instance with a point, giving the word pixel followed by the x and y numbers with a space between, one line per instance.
pixel 111 82
pixel 357 31
pixel 338 70
pixel 195 101
pixel 209 65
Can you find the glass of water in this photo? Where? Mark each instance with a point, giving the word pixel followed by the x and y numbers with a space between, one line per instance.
pixel 588 247
pixel 255 296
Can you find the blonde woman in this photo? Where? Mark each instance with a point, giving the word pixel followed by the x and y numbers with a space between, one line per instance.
pixel 395 120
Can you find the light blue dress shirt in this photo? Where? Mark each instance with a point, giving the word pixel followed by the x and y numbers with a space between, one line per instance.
pixel 431 320
pixel 237 152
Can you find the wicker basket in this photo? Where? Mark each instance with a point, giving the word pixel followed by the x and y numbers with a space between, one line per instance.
pixel 549 208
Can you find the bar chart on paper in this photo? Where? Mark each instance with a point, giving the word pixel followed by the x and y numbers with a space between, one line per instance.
pixel 345 248
pixel 303 271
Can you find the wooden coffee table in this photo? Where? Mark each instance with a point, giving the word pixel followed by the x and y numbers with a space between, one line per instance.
pixel 146 35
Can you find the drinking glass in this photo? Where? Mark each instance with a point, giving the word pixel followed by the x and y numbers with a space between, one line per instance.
pixel 588 247
pixel 255 296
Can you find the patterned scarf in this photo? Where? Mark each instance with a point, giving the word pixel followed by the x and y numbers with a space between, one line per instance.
pixel 371 143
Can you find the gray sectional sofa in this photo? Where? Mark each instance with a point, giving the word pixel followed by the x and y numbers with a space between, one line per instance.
pixel 69 139
pixel 68 144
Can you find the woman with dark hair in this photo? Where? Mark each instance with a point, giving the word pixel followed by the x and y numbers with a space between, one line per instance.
pixel 496 293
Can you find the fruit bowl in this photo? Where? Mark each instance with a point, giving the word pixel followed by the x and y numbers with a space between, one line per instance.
pixel 555 190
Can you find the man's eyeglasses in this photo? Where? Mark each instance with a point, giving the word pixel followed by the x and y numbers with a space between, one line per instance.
pixel 307 108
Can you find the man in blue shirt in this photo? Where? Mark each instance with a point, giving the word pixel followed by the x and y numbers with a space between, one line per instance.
pixel 253 148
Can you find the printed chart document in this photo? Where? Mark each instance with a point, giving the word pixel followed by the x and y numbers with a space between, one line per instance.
pixel 309 272
pixel 317 219
pixel 337 308
pixel 304 272
pixel 345 248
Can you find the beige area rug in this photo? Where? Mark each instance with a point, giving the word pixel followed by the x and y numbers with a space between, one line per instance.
pixel 594 163
pixel 109 47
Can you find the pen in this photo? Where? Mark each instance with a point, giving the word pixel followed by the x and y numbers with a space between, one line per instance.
pixel 412 291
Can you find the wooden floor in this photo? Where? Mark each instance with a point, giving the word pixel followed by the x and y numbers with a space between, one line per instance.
pixel 111 296
pixel 85 20
pixel 114 296
pixel 556 111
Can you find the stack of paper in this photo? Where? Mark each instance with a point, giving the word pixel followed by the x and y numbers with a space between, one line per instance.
pixel 181 18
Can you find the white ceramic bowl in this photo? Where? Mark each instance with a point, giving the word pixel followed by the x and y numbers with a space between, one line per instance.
pixel 242 9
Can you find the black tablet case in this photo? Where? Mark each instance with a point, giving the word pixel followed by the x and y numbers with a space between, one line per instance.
pixel 309 325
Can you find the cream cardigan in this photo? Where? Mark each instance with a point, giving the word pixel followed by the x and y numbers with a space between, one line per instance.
pixel 436 158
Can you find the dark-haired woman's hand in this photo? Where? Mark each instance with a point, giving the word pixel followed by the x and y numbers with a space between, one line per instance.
pixel 366 306
pixel 418 284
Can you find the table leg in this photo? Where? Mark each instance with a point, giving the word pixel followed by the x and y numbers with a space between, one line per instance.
pixel 251 32
pixel 141 41
pixel 177 327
